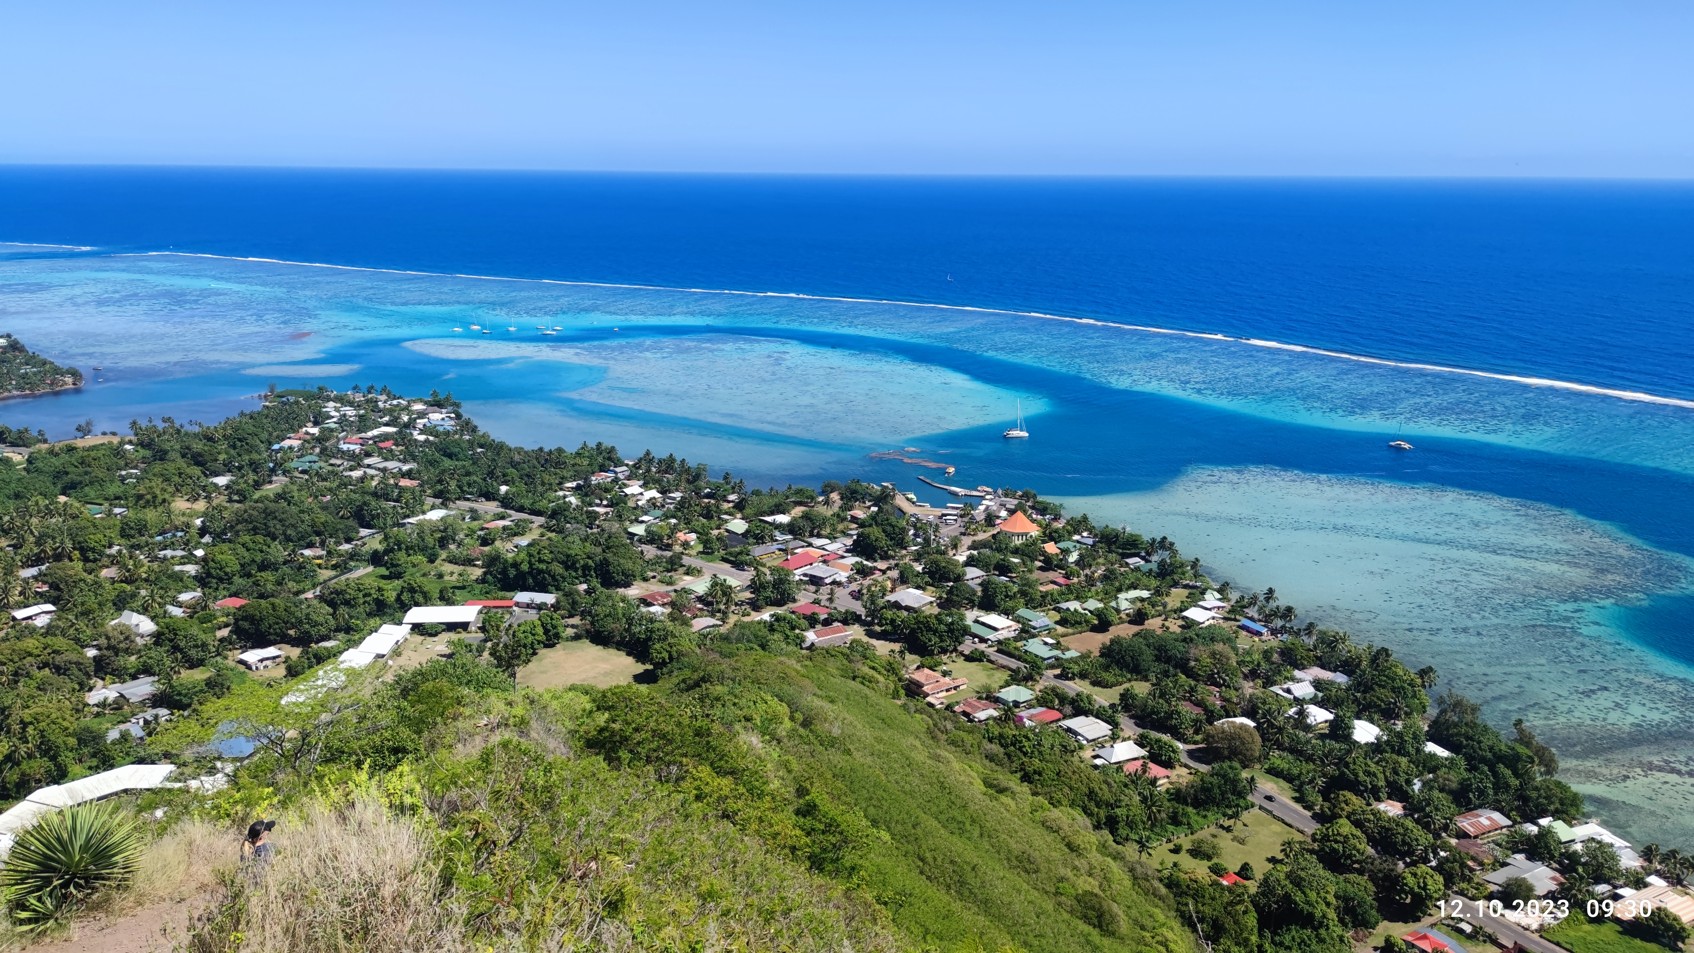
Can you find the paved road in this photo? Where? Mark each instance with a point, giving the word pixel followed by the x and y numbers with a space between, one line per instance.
pixel 1505 930
pixel 354 574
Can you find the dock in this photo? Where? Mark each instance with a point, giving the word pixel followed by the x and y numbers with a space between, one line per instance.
pixel 955 490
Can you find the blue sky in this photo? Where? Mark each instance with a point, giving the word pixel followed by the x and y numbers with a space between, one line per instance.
pixel 1124 87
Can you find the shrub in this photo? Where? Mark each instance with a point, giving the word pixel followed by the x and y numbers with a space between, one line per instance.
pixel 63 860
pixel 1204 848
pixel 1217 868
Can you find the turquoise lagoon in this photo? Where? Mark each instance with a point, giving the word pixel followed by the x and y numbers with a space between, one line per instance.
pixel 1536 548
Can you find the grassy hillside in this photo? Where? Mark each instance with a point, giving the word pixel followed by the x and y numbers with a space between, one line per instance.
pixel 969 859
pixel 750 802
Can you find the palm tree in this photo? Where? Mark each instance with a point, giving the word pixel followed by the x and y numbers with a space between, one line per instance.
pixel 1671 861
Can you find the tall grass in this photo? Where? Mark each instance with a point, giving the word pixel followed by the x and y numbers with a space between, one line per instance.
pixel 186 862
pixel 342 880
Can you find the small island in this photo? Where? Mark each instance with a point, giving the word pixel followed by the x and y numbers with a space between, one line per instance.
pixel 24 373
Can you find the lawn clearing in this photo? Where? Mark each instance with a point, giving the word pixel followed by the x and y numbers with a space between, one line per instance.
pixel 1104 694
pixel 1577 934
pixel 983 677
pixel 1261 836
pixel 579 663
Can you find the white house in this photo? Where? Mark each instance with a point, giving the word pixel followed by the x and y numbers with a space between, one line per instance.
pixel 1118 753
pixel 909 599
pixel 1313 714
pixel 383 642
pixel 39 614
pixel 143 626
pixel 260 659
pixel 1197 614
pixel 994 628
pixel 1086 729
pixel 448 617
pixel 821 574
pixel 1365 733
pixel 534 600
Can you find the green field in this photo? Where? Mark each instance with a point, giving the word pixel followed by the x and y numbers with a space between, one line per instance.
pixel 579 663
pixel 1256 838
pixel 1104 694
pixel 983 677
pixel 1579 935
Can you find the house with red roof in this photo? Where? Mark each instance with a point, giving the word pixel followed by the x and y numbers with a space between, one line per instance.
pixel 931 686
pixel 660 598
pixel 1431 942
pixel 1160 775
pixel 1231 879
pixel 1018 526
pixel 798 561
pixel 809 609
pixel 976 709
pixel 1480 824
pixel 1038 716
pixel 490 603
pixel 233 602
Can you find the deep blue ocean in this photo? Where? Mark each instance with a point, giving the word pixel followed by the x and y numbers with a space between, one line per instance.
pixel 1582 281
pixel 1537 547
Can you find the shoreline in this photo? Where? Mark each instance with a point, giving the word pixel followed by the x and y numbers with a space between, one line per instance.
pixel 50 392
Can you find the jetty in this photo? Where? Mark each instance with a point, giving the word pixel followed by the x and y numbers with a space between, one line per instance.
pixel 979 492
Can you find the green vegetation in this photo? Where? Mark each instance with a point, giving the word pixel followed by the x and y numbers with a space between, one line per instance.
pixel 765 801
pixel 24 372
pixel 64 860
pixel 1255 839
pixel 605 770
pixel 1581 935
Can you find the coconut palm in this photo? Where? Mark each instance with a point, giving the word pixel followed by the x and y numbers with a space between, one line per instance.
pixel 64 859
pixel 1670 861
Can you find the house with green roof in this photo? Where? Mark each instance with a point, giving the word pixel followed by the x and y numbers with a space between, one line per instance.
pixel 1014 695
pixel 1048 653
pixel 1125 601
pixel 1034 621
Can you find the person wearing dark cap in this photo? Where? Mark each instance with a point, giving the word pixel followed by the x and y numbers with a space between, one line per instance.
pixel 257 849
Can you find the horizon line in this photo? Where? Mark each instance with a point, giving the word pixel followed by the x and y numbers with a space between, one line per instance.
pixel 846 174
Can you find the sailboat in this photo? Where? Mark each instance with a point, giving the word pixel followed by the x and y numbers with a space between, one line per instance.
pixel 1017 433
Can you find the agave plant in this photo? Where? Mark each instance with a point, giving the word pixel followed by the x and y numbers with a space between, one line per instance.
pixel 65 858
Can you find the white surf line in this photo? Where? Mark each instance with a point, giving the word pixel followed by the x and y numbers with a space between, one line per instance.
pixel 46 245
pixel 1526 380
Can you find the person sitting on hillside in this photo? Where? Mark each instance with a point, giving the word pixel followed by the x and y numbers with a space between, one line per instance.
pixel 256 849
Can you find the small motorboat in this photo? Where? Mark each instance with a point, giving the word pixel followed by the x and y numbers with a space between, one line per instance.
pixel 1400 445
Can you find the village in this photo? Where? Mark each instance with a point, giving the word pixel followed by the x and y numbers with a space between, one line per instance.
pixel 342 536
